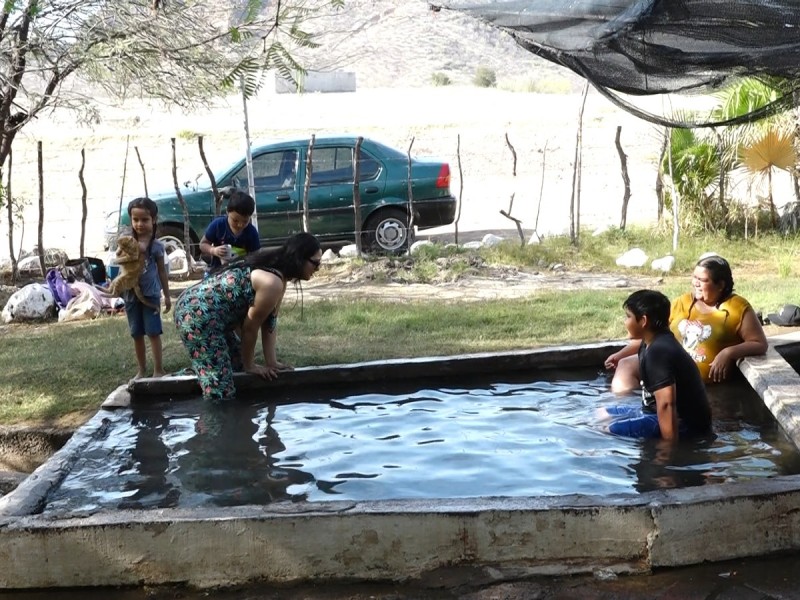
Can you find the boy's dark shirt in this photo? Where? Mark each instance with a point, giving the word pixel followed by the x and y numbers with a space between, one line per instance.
pixel 664 362
pixel 218 232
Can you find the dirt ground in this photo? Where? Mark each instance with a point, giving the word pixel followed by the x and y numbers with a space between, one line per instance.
pixel 489 283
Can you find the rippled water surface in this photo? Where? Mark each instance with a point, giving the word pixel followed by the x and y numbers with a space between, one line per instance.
pixel 504 438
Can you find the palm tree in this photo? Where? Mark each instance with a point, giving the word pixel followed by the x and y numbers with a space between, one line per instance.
pixel 770 149
pixel 692 166
pixel 758 148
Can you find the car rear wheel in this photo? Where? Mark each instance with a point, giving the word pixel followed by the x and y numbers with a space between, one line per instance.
pixel 387 231
pixel 172 238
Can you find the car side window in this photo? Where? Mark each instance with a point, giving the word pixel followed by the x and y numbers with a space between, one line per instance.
pixel 271 171
pixel 335 165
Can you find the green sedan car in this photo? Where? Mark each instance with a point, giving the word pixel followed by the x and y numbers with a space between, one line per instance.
pixel 281 173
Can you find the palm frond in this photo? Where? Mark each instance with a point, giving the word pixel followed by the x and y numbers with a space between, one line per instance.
pixel 774 149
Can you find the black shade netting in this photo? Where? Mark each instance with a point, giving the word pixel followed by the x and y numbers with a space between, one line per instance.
pixel 655 46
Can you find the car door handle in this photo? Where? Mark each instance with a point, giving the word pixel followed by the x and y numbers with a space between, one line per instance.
pixel 370 190
pixel 283 198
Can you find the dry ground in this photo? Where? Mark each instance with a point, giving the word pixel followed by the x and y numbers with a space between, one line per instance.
pixel 394 48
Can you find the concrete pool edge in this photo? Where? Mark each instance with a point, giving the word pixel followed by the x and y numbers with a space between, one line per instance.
pixel 402 540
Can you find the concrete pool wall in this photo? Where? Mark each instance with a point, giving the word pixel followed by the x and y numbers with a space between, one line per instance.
pixel 401 540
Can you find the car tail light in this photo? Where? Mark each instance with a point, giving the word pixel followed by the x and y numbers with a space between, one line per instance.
pixel 443 180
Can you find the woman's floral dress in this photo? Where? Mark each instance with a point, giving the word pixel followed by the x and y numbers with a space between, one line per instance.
pixel 206 315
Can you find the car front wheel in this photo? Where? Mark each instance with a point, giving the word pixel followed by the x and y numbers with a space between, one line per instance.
pixel 387 231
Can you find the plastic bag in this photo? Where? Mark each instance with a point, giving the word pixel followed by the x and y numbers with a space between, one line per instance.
pixel 77 269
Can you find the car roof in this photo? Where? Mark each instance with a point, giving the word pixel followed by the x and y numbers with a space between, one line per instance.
pixel 318 140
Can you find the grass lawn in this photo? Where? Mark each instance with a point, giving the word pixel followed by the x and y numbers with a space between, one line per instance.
pixel 59 373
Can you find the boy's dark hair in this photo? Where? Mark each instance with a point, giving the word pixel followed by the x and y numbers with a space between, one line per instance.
pixel 652 304
pixel 241 203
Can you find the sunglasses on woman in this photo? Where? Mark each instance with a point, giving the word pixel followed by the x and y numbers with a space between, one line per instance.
pixel 315 262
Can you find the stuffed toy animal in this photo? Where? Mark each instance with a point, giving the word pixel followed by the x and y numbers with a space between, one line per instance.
pixel 131 266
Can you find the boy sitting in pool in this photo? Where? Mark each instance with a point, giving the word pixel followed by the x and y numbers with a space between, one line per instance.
pixel 674 401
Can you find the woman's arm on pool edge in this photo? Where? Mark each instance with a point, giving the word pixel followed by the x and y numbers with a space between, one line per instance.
pixel 754 343
pixel 268 293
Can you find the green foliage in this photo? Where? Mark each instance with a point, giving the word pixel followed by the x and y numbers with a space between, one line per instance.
pixel 187 135
pixel 705 161
pixel 440 79
pixel 692 164
pixel 485 77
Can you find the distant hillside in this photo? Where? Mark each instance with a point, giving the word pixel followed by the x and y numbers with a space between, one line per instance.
pixel 401 43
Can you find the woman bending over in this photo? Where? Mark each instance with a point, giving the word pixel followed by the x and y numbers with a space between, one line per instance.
pixel 219 319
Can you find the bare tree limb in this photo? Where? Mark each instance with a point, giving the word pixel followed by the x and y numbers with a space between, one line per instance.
pixel 210 173
pixel 40 238
pixel 84 208
pixel 144 173
pixel 357 192
pixel 626 180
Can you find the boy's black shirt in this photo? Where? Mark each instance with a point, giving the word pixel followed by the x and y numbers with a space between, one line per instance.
pixel 664 362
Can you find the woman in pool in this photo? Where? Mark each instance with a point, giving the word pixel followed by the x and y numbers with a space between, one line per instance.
pixel 716 327
pixel 242 298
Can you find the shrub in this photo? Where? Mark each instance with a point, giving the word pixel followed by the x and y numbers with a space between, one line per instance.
pixel 485 77
pixel 440 79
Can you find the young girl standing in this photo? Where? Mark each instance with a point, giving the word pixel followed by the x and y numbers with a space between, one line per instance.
pixel 142 320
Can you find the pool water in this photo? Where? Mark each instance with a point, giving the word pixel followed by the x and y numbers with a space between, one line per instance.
pixel 508 437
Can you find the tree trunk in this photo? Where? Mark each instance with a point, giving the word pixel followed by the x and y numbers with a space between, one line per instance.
pixel 660 178
pixel 251 184
pixel 460 184
pixel 676 203
pixel 541 194
pixel 144 173
pixel 410 198
pixel 187 239
pixel 357 192
pixel 307 182
pixel 41 207
pixel 773 211
pixel 626 180
pixel 10 207
pixel 84 209
pixel 210 173
pixel 575 201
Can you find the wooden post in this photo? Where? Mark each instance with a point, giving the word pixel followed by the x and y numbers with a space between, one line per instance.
pixel 541 194
pixel 460 184
pixel 357 192
pixel 84 209
pixel 210 173
pixel 575 202
pixel 124 176
pixel 307 183
pixel 141 166
pixel 410 228
pixel 41 206
pixel 187 240
pixel 676 203
pixel 626 180
pixel 10 207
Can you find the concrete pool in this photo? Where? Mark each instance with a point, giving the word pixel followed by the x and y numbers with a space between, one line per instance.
pixel 403 539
